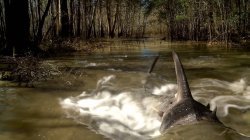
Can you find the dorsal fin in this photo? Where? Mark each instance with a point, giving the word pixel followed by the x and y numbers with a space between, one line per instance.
pixel 183 90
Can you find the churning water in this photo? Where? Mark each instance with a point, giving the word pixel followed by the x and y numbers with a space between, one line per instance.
pixel 132 114
pixel 115 113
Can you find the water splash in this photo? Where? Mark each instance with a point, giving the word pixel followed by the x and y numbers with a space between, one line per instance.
pixel 130 114
pixel 116 114
pixel 226 94
pixel 224 103
pixel 165 89
pixel 236 87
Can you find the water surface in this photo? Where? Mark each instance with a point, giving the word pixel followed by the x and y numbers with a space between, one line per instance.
pixel 110 95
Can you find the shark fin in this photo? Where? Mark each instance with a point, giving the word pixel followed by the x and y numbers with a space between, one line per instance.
pixel 183 90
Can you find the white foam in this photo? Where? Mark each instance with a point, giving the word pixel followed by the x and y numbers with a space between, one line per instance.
pixel 117 116
pixel 236 87
pixel 223 103
pixel 237 94
pixel 168 88
pixel 130 115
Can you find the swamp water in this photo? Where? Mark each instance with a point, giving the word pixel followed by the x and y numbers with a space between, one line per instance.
pixel 110 95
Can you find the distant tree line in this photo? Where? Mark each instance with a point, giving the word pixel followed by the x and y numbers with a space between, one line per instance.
pixel 24 24
pixel 212 20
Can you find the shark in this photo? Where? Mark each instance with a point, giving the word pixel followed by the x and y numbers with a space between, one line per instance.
pixel 184 109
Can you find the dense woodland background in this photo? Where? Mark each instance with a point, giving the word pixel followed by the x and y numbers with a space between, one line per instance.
pixel 26 24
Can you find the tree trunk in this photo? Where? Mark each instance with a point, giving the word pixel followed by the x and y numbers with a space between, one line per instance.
pixel 39 35
pixel 58 17
pixel 112 20
pixel 102 33
pixel 17 26
pixel 210 22
pixel 2 27
pixel 78 30
pixel 245 17
pixel 239 17
pixel 65 29
pixel 71 23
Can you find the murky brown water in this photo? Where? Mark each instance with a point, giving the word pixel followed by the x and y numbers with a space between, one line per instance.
pixel 218 76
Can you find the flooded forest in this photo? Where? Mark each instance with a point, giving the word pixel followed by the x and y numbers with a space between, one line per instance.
pixel 35 25
pixel 124 69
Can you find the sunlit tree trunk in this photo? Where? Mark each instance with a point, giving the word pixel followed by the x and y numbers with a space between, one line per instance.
pixel 101 26
pixel 112 17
